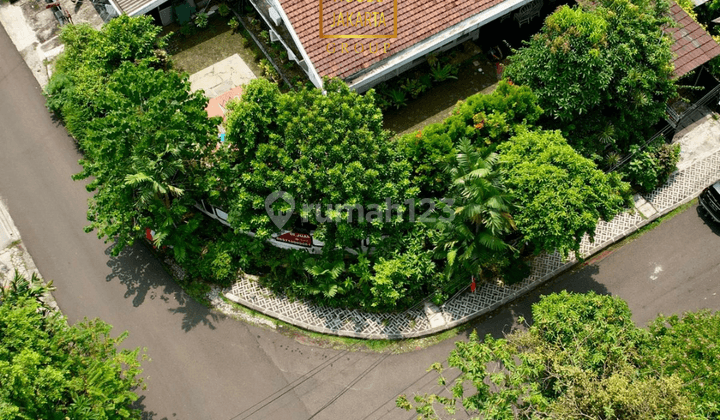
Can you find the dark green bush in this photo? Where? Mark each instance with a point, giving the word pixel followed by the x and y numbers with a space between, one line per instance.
pixel 652 167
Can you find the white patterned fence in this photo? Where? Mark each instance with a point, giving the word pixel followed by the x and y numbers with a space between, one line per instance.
pixel 682 187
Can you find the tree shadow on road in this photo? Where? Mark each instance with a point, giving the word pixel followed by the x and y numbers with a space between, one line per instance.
pixel 146 415
pixel 503 320
pixel 145 279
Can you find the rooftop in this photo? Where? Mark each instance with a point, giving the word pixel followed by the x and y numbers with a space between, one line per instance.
pixel 417 21
pixel 693 46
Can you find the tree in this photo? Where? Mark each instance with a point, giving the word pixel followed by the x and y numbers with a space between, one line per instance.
pixel 50 370
pixel 143 154
pixel 329 152
pixel 89 58
pixel 484 119
pixel 689 347
pixel 481 213
pixel 560 195
pixel 582 358
pixel 602 71
pixel 140 128
pixel 322 149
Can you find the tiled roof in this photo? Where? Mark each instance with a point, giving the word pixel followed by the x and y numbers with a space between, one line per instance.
pixel 418 20
pixel 693 46
pixel 216 106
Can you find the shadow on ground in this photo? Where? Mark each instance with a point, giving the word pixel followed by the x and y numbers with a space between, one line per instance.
pixel 145 278
pixel 503 320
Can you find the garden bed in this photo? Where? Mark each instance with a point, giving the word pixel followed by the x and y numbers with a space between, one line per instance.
pixel 436 104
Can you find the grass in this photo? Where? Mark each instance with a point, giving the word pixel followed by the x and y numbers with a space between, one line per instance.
pixel 208 46
pixel 349 343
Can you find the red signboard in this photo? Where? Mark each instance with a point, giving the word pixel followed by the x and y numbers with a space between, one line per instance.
pixel 295 238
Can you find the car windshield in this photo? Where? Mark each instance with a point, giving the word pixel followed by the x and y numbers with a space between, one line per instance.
pixel 715 191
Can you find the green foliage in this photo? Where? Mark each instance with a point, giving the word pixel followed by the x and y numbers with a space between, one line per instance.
pixel 441 73
pixel 652 167
pixel 414 87
pixel 264 36
pixel 481 214
pixel 268 70
pixel 49 370
pixel 582 358
pixel 234 24
pixel 606 63
pixel 201 20
pixel 397 97
pixel 90 57
pixel 560 195
pixel 484 119
pixel 143 154
pixel 223 9
pixel 689 347
pixel 140 130
pixel 322 150
pixel 187 30
pixel 641 171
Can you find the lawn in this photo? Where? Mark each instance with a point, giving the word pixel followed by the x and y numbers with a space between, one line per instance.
pixel 203 48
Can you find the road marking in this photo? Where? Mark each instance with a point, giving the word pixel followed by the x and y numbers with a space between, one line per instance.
pixel 654 276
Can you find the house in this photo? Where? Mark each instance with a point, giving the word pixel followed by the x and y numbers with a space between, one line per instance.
pixel 366 42
pixel 693 46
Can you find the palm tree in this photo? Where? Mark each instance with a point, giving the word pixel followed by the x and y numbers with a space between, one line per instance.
pixel 482 213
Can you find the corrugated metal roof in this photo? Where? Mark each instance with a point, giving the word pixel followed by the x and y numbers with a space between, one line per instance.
pixel 137 7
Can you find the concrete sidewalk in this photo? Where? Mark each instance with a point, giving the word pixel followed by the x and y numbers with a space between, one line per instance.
pixel 13 255
pixel 34 30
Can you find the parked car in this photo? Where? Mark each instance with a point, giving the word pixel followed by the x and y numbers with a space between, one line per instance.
pixel 710 201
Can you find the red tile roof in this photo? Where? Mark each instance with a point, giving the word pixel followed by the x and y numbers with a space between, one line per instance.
pixel 418 20
pixel 216 106
pixel 693 46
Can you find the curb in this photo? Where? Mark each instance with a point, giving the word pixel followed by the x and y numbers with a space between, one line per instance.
pixel 16 256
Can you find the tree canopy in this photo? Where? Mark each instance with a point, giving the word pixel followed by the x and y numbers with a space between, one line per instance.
pixel 143 154
pixel 141 130
pixel 584 358
pixel 323 149
pixel 602 71
pixel 51 370
pixel 560 195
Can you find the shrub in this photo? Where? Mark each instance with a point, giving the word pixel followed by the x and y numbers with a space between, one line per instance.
pixel 223 9
pixel 234 24
pixel 442 73
pixel 651 168
pixel 201 20
pixel 264 36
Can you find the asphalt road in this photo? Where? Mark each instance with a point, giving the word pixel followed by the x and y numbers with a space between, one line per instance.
pixel 206 366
